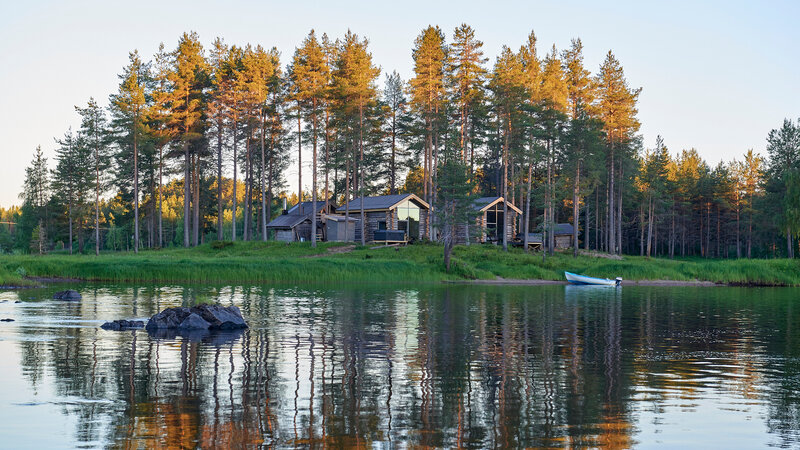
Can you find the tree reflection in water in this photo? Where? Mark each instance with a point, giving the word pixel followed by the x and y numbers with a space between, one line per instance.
pixel 439 366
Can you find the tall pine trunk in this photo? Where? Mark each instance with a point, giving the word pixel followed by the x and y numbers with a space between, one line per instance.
pixel 69 211
pixel 586 233
pixel 263 180
pixel 575 210
pixel 299 157
pixel 506 143
pixel 186 194
pixel 527 223
pixel 160 196
pixel 135 190
pixel 361 169
pixel 612 245
pixel 97 201
pixel 196 200
pixel 220 211
pixel 314 175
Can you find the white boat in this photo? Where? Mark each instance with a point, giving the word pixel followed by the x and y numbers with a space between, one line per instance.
pixel 583 279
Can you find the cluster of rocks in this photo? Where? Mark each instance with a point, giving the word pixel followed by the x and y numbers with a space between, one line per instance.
pixel 194 322
pixel 203 317
pixel 214 323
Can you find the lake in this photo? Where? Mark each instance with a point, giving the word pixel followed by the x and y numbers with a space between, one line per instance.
pixel 400 366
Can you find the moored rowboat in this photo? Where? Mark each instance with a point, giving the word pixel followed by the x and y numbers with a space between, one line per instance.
pixel 583 279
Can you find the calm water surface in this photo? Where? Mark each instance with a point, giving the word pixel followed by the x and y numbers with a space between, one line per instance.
pixel 436 366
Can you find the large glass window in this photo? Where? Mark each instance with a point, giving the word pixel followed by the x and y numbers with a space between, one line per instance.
pixel 494 223
pixel 408 219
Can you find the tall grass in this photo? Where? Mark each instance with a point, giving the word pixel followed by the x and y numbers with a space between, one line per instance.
pixel 273 262
pixel 9 278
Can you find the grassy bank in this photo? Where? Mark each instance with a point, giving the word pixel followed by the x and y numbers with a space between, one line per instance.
pixel 12 279
pixel 272 262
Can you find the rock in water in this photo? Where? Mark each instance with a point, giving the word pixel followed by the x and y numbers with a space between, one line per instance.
pixel 69 294
pixel 203 317
pixel 222 318
pixel 6 320
pixel 121 325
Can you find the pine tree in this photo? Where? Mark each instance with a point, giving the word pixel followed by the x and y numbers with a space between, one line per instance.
pixel 395 100
pixel 507 84
pixel 616 106
pixel 158 117
pixel 188 80
pixel 71 178
pixel 128 108
pixel 455 204
pixel 354 80
pixel 310 75
pixel 35 196
pixel 426 92
pixel 95 133
pixel 466 74
pixel 580 96
pixel 221 75
pixel 783 148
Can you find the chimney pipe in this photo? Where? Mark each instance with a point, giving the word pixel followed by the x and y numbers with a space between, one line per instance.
pixel 284 206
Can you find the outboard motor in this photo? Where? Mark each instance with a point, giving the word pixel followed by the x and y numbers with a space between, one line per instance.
pixel 618 280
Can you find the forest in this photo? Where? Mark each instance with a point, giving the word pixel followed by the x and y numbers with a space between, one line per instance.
pixel 196 143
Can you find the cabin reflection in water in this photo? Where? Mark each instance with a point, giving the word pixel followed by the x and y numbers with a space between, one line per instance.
pixel 435 367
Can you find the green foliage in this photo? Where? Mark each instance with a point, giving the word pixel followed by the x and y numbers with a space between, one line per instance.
pixel 219 245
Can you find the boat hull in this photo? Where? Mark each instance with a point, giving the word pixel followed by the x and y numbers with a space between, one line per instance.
pixel 574 278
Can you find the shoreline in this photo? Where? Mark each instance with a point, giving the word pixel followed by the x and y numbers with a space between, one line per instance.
pixel 261 263
pixel 524 282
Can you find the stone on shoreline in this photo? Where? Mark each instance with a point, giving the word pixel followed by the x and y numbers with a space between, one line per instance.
pixel 197 318
pixel 68 295
pixel 122 325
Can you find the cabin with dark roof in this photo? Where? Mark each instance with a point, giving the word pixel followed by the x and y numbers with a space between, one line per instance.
pixel 402 212
pixel 295 224
pixel 490 222
pixel 563 235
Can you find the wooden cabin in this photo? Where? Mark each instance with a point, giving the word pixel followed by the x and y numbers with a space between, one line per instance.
pixel 403 212
pixel 294 224
pixel 563 235
pixel 490 222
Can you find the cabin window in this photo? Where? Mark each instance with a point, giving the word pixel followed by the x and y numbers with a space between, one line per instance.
pixel 408 219
pixel 494 223
pixel 382 225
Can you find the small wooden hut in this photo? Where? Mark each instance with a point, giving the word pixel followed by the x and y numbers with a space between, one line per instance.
pixel 294 224
pixel 563 235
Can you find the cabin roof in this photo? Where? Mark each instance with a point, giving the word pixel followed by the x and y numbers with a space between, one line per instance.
pixel 562 229
pixel 288 220
pixel 484 203
pixel 533 238
pixel 305 207
pixel 297 214
pixel 381 202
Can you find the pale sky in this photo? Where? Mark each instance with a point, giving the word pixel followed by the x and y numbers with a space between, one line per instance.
pixel 716 76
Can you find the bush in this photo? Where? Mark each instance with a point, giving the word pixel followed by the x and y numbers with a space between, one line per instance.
pixel 219 245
